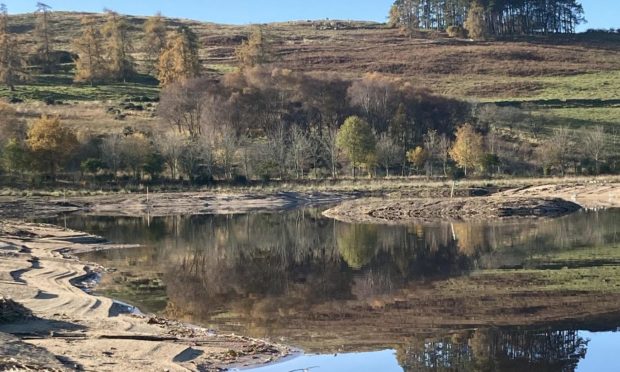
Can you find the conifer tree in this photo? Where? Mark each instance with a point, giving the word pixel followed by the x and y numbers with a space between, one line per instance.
pixel 44 39
pixel 476 23
pixel 254 51
pixel 120 64
pixel 394 16
pixel 11 62
pixel 155 41
pixel 89 66
pixel 501 17
pixel 179 61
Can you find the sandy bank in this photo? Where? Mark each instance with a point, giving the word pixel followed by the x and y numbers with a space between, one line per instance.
pixel 86 332
pixel 163 204
pixel 402 210
pixel 590 195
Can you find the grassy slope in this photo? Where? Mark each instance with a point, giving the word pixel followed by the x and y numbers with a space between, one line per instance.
pixel 571 67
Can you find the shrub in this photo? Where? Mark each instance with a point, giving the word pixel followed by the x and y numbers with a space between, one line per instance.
pixel 456 31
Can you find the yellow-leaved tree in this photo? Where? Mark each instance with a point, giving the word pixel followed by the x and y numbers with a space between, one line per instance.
pixel 120 64
pixel 155 30
pixel 90 65
pixel 254 51
pixel 179 61
pixel 476 23
pixel 417 157
pixel 50 143
pixel 468 150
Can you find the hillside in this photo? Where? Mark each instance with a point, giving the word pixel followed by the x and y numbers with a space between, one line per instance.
pixel 562 67
pixel 564 80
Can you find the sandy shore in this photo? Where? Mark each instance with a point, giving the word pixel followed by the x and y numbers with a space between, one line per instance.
pixel 82 331
pixel 85 332
pixel 589 195
pixel 164 204
pixel 384 211
pixel 528 201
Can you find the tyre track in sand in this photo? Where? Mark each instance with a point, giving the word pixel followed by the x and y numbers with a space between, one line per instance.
pixel 78 327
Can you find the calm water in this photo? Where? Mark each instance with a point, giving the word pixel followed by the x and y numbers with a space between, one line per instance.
pixel 345 293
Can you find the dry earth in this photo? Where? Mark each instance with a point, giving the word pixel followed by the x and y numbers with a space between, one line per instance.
pixel 85 332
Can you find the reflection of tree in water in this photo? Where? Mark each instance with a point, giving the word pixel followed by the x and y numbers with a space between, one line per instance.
pixel 269 266
pixel 358 245
pixel 497 350
pixel 298 266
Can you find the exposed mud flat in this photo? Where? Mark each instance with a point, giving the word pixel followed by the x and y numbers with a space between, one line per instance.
pixel 402 210
pixel 61 323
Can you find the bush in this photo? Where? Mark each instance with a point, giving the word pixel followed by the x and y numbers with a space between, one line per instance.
pixel 91 165
pixel 203 179
pixel 455 173
pixel 456 31
pixel 240 180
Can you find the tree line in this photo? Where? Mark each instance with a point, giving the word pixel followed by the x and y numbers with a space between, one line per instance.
pixel 489 17
pixel 104 52
pixel 271 124
pixel 261 123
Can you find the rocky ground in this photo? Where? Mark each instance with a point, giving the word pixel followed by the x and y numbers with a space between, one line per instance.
pixel 47 323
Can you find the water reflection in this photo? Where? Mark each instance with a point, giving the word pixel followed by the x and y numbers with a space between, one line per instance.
pixel 483 350
pixel 496 350
pixel 329 286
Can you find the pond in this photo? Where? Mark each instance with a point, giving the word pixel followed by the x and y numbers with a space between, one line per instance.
pixel 496 295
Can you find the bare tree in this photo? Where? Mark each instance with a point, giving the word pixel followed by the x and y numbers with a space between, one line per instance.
pixel 388 153
pixel 374 94
pixel 431 144
pixel 111 152
pixel 227 150
pixel 443 148
pixel 134 151
pixel 554 152
pixel 171 145
pixel 197 159
pixel 329 142
pixel 595 145
pixel 183 105
pixel 278 139
pixel 300 148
